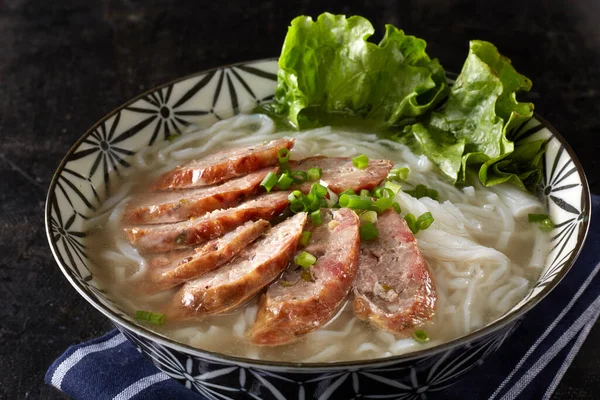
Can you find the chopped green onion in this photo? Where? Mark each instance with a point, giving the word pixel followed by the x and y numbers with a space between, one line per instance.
pixel 315 217
pixel 312 202
pixel 314 174
pixel 420 191
pixel 297 206
pixel 298 194
pixel 365 193
pixel 368 231
pixel 283 155
pixel 292 197
pixel 393 187
pixel 171 138
pixel 547 225
pixel 382 204
pixel 305 259
pixel 284 181
pixel 543 220
pixel 399 174
pixel 424 221
pixel 319 190
pixel 142 315
pixel 269 181
pixel 299 176
pixel 432 194
pixel 348 191
pixel 396 207
pixel 411 221
pixel 420 336
pixel 355 202
pixel 369 216
pixel 360 162
pixel 150 317
pixel 305 237
pixel 537 217
pixel 384 192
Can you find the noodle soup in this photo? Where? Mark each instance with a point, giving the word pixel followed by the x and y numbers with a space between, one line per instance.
pixel 483 254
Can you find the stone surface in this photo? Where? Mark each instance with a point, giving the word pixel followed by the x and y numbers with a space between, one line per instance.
pixel 64 64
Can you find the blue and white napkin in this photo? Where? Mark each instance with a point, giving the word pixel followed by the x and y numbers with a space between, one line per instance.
pixel 529 365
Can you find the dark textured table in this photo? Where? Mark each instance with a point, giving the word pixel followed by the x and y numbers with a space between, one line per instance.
pixel 65 65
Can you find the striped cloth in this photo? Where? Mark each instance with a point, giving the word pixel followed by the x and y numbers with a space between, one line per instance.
pixel 539 352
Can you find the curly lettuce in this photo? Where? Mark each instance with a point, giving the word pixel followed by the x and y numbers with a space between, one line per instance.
pixel 478 124
pixel 330 73
pixel 329 67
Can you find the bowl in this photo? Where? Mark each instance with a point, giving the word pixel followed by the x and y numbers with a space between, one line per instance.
pixel 81 182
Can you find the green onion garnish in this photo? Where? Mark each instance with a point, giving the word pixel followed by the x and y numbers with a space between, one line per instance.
pixel 368 231
pixel 424 221
pixel 384 192
pixel 299 176
pixel 360 162
pixel 150 317
pixel 420 336
pixel 307 275
pixel 348 191
pixel 393 187
pixel 315 217
pixel 297 206
pixel 312 202
pixel 314 174
pixel 396 207
pixel 382 204
pixel 305 238
pixel 283 155
pixel 547 225
pixel 355 202
pixel 543 220
pixel 171 138
pixel 411 221
pixel 284 181
pixel 319 190
pixel 365 193
pixel 269 181
pixel 537 217
pixel 369 216
pixel 423 191
pixel 305 259
pixel 400 174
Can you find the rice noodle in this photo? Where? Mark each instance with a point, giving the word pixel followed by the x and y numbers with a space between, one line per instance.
pixel 482 252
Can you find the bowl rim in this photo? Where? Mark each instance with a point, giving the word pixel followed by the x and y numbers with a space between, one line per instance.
pixel 211 355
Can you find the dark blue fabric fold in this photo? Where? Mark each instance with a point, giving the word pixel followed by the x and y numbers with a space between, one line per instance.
pixel 528 366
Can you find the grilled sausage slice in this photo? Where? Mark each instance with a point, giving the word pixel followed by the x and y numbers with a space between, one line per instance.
pixel 341 174
pixel 394 289
pixel 167 271
pixel 221 166
pixel 294 306
pixel 167 237
pixel 165 207
pixel 240 279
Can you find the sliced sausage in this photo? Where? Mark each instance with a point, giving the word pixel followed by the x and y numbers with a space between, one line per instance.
pixel 167 237
pixel 165 207
pixel 394 289
pixel 240 279
pixel 341 174
pixel 168 270
pixel 221 166
pixel 298 304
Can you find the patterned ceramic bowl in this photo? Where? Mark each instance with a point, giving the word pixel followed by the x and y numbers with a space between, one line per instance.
pixel 81 183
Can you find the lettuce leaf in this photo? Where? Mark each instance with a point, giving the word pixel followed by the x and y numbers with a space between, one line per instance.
pixel 478 124
pixel 327 66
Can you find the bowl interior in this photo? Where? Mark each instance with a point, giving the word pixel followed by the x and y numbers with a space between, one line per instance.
pixel 85 177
